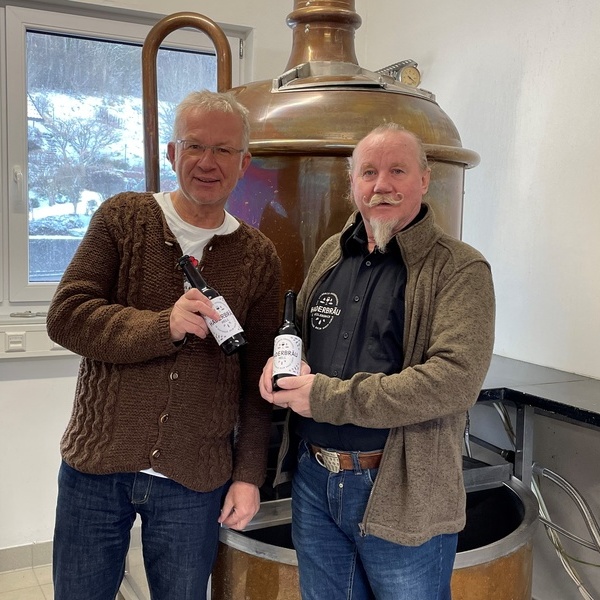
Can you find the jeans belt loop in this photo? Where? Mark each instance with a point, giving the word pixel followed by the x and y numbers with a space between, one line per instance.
pixel 329 460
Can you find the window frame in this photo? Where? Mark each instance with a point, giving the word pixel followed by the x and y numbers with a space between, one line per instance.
pixel 20 295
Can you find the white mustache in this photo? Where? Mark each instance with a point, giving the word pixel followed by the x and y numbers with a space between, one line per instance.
pixel 377 199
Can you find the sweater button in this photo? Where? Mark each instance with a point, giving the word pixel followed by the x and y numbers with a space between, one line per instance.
pixel 156 453
pixel 174 375
pixel 164 418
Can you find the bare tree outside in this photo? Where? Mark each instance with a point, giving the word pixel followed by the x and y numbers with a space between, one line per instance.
pixel 85 139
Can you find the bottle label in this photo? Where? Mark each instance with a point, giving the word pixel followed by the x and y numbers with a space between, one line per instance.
pixel 287 355
pixel 227 326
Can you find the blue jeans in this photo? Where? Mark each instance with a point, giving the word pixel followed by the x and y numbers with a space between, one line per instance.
pixel 336 562
pixel 94 516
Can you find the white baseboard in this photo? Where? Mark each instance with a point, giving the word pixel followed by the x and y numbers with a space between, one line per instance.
pixel 37 554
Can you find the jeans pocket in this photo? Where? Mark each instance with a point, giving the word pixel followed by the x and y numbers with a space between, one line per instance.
pixel 371 475
pixel 303 452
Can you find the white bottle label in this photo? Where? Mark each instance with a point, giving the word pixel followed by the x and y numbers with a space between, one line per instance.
pixel 227 326
pixel 287 355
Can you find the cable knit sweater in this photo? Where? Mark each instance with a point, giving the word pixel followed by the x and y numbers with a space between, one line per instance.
pixel 142 401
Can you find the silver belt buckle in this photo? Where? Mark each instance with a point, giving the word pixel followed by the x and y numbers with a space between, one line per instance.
pixel 329 460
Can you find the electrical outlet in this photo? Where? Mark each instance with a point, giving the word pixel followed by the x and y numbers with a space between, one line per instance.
pixel 14 341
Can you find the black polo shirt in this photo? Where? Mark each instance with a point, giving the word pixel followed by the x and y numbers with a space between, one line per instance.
pixel 356 324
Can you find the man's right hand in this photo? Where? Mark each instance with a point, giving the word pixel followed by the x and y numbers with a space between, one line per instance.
pixel 188 315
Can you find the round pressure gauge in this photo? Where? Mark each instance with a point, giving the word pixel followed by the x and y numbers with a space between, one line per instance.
pixel 410 75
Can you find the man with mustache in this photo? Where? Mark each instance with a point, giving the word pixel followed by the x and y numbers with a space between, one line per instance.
pixel 398 327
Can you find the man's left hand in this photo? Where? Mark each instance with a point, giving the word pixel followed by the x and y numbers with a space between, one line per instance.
pixel 294 393
pixel 241 504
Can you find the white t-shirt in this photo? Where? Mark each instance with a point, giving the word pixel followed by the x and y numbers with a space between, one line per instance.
pixel 192 240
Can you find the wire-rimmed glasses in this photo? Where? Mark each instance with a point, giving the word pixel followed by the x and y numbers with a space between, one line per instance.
pixel 197 150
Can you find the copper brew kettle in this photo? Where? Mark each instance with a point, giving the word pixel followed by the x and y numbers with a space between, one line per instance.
pixel 305 123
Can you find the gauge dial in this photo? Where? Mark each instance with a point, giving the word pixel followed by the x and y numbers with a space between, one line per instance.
pixel 410 75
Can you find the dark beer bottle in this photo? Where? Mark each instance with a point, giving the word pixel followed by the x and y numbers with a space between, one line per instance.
pixel 227 331
pixel 287 350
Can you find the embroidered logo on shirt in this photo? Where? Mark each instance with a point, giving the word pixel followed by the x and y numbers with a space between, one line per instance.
pixel 324 310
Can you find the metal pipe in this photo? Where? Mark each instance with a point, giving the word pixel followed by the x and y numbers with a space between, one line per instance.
pixel 582 505
pixel 567 534
pixel 149 80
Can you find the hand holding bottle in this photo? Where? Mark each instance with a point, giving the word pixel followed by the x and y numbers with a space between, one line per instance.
pixel 189 315
pixel 293 393
pixel 226 330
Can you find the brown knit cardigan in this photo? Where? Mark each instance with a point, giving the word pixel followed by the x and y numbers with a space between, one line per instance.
pixel 189 411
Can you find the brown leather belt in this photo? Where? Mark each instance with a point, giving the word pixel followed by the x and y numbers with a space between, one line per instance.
pixel 343 461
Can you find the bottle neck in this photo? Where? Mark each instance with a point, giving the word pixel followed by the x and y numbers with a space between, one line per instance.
pixel 192 273
pixel 289 309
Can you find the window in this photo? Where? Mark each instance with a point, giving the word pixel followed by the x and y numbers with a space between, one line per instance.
pixel 74 131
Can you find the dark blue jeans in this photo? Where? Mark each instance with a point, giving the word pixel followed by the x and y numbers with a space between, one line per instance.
pixel 337 563
pixel 94 516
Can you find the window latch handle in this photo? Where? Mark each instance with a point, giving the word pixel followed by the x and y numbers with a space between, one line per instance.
pixel 19 199
pixel 18 175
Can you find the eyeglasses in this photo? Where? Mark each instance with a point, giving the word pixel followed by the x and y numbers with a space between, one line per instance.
pixel 197 150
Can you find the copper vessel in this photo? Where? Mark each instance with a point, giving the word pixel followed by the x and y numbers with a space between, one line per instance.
pixel 306 122
pixel 494 559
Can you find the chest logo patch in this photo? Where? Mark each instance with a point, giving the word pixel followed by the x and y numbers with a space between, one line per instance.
pixel 325 309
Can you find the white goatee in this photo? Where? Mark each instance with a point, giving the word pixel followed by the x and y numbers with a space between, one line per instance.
pixel 383 231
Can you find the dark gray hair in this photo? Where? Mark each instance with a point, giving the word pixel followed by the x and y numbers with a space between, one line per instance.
pixel 393 127
pixel 207 101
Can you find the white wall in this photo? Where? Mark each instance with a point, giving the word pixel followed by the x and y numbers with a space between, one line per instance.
pixel 35 404
pixel 521 82
pixel 271 37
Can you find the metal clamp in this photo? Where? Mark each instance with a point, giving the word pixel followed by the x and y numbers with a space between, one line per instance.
pixel 329 460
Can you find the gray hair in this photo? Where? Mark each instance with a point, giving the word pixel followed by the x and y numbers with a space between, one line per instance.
pixel 386 127
pixel 208 101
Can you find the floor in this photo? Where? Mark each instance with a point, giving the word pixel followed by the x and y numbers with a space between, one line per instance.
pixel 27 584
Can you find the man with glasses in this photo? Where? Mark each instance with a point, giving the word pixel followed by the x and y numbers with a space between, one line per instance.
pixel 164 424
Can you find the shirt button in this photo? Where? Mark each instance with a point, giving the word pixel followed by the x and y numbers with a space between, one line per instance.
pixel 164 418
pixel 174 375
pixel 368 263
pixel 335 373
pixel 156 453
pixel 356 298
pixel 346 336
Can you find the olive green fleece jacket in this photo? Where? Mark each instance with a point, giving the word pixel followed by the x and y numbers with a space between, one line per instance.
pixel 448 341
pixel 142 401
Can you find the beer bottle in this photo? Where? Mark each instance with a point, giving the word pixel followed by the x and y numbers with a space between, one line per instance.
pixel 287 349
pixel 227 331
